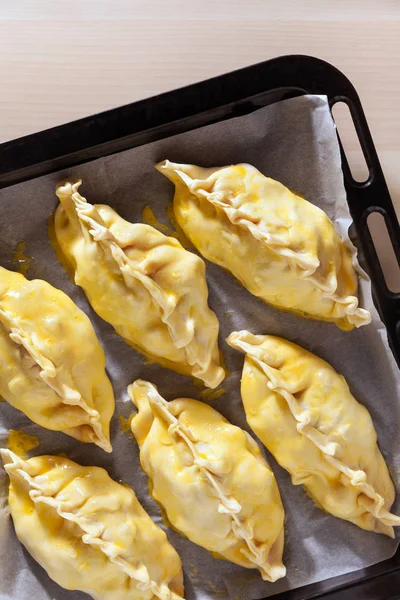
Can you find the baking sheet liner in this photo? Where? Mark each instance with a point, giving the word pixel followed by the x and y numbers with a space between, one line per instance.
pixel 293 141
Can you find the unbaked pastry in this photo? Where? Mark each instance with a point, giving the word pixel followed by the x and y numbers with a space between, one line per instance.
pixel 89 532
pixel 52 366
pixel 145 284
pixel 282 248
pixel 211 478
pixel 305 414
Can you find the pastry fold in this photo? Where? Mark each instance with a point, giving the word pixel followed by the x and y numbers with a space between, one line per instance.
pixel 145 284
pixel 89 532
pixel 52 366
pixel 305 414
pixel 282 248
pixel 211 479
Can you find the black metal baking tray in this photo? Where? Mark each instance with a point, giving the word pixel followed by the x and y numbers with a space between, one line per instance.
pixel 217 99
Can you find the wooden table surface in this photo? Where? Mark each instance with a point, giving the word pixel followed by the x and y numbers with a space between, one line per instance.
pixel 61 60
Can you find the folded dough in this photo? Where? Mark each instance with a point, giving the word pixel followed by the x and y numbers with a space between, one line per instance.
pixel 304 413
pixel 89 532
pixel 52 366
pixel 152 291
pixel 211 478
pixel 282 248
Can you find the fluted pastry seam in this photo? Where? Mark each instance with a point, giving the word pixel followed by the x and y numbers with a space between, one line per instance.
pixel 51 377
pixel 276 244
pixel 87 213
pixel 228 505
pixel 92 533
pixel 357 479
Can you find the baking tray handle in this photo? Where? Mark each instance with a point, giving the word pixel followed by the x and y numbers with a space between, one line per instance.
pixel 365 197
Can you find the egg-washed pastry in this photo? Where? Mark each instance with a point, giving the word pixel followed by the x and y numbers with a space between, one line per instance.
pixel 211 479
pixel 282 248
pixel 305 414
pixel 89 532
pixel 145 284
pixel 52 366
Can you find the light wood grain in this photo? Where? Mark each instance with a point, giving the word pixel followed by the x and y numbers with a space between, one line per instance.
pixel 54 71
pixel 267 10
pixel 63 60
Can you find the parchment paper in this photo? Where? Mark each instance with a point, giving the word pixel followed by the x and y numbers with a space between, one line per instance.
pixel 295 142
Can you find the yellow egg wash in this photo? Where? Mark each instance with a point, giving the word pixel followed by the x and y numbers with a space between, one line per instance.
pixel 210 395
pixel 51 232
pixel 149 217
pixel 164 518
pixel 52 503
pixel 198 382
pixel 282 248
pixel 193 455
pixel 125 424
pixel 179 234
pixel 212 587
pixel 21 260
pixel 149 361
pixel 172 366
pixel 142 282
pixel 303 411
pixel 223 364
pixel 20 442
pixel 31 314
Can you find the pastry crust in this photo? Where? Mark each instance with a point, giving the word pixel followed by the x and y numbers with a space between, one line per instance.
pixel 88 532
pixel 211 478
pixel 52 365
pixel 305 414
pixel 145 284
pixel 282 248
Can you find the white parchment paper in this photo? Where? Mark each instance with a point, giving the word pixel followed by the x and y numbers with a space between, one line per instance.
pixel 295 142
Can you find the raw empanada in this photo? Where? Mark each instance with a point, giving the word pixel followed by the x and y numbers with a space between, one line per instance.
pixel 52 366
pixel 281 247
pixel 152 291
pixel 89 532
pixel 305 414
pixel 211 478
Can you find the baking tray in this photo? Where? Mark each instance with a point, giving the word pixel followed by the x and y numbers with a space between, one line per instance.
pixel 217 99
